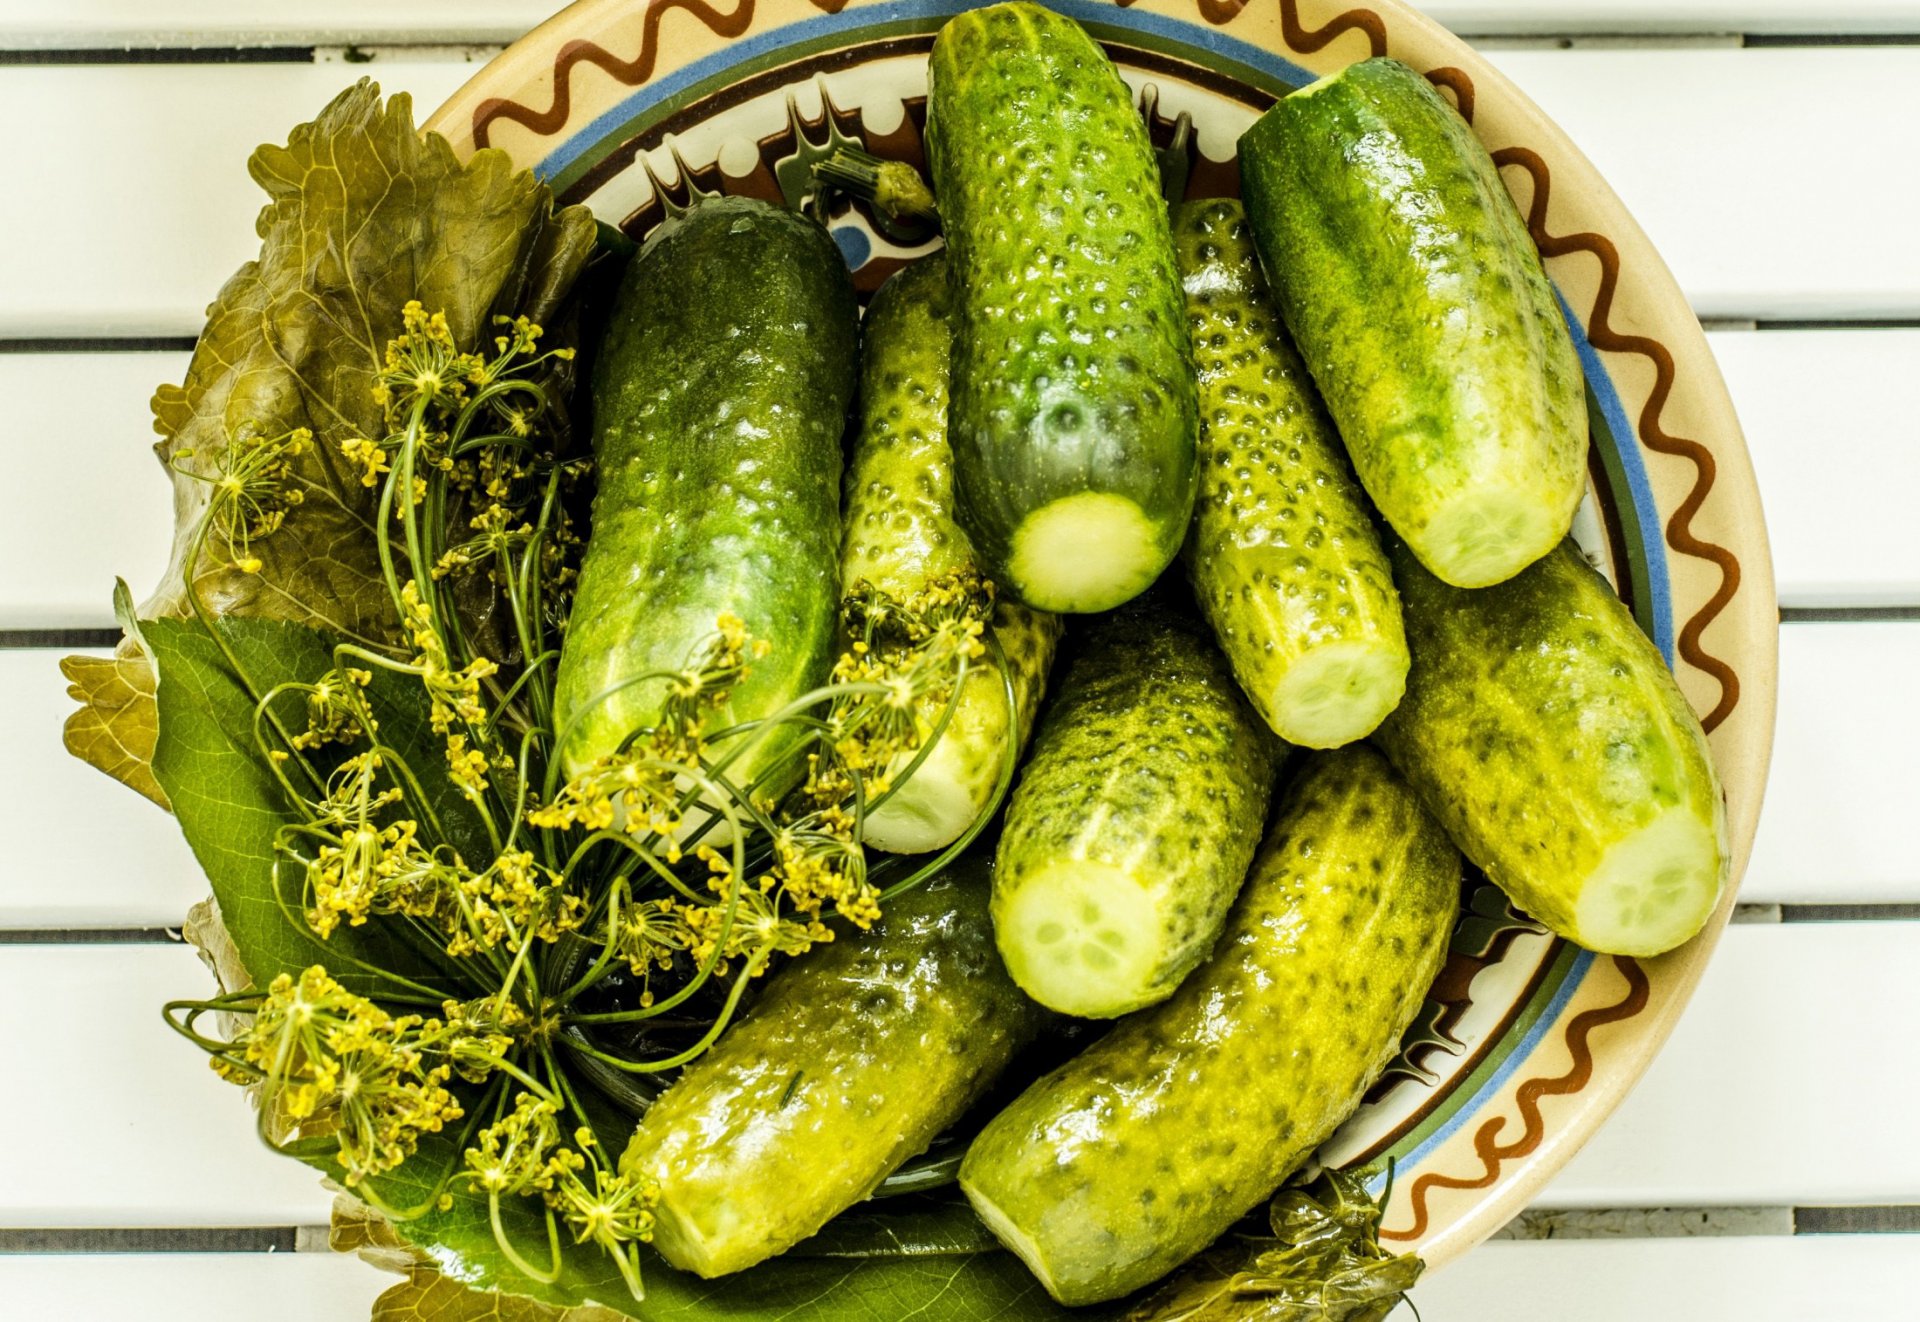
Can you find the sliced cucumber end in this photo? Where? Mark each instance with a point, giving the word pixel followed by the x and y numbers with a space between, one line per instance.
pixel 1016 1240
pixel 1084 553
pixel 679 1239
pixel 1654 890
pixel 1083 938
pixel 1337 693
pixel 929 810
pixel 1488 535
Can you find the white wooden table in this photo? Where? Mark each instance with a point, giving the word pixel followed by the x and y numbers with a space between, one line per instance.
pixel 1767 1170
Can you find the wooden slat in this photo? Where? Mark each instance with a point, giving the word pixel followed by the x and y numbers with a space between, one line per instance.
pixel 1825 412
pixel 87 852
pixel 1834 830
pixel 1761 175
pixel 1765 203
pixel 1779 1088
pixel 1759 1279
pixel 82 434
pixel 85 24
pixel 190 1287
pixel 129 1127
pixel 1836 448
pixel 136 204
pixel 1840 804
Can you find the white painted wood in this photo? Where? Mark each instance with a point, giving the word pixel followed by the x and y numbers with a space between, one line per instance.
pixel 1833 437
pixel 1835 830
pixel 1838 824
pixel 86 24
pixel 127 1125
pixel 1786 1083
pixel 1759 1279
pixel 1762 175
pixel 1836 444
pixel 1768 187
pixel 132 203
pixel 1783 1086
pixel 81 433
pixel 189 1287
pixel 85 850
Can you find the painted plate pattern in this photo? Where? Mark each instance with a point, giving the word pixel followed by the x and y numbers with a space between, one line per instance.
pixel 636 107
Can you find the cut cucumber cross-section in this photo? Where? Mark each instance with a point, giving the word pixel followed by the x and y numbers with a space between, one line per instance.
pixel 1086 552
pixel 1132 826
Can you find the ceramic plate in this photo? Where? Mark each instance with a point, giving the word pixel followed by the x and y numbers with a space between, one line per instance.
pixel 1527 1042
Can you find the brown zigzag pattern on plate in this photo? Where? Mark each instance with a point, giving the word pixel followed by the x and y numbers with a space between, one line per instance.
pixel 629 72
pixel 1680 534
pixel 1457 82
pixel 1527 1098
pixel 1307 41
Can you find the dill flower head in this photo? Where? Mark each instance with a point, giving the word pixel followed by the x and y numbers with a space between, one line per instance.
pixel 253 486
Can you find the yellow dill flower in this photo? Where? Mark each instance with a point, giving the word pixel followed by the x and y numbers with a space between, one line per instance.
pixel 253 486
pixel 327 1056
pixel 369 457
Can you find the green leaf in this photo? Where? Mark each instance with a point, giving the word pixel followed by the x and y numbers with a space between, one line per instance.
pixel 230 806
pixel 115 726
pixel 925 1265
pixel 364 213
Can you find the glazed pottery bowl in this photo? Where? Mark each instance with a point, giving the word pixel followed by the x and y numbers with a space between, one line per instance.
pixel 635 107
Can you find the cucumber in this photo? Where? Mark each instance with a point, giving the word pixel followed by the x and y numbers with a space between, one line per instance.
pixel 720 398
pixel 1137 1154
pixel 1543 729
pixel 1283 554
pixel 1073 397
pixel 1418 301
pixel 855 1056
pixel 901 535
pixel 1133 823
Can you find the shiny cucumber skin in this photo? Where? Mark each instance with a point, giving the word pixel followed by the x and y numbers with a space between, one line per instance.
pixel 1073 396
pixel 1133 822
pixel 901 535
pixel 720 399
pixel 1125 1162
pixel 1544 730
pixel 1283 554
pixel 1418 301
pixel 855 1056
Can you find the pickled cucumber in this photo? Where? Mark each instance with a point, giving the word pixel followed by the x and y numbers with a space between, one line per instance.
pixel 1544 730
pixel 853 1059
pixel 1138 1153
pixel 900 536
pixel 1283 554
pixel 1133 823
pixel 1419 302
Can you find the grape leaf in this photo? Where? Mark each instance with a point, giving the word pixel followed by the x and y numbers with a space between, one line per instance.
pixel 364 213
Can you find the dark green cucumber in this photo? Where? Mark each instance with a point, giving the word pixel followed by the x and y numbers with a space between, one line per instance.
pixel 720 398
pixel 1545 731
pixel 901 535
pixel 1419 303
pixel 1137 1154
pixel 855 1056
pixel 1134 820
pixel 1073 397
pixel 1283 553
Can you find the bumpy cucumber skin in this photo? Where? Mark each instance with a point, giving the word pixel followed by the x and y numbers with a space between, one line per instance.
pixel 1418 301
pixel 1129 1159
pixel 1541 726
pixel 1071 368
pixel 1283 554
pixel 1149 760
pixel 853 1059
pixel 901 534
pixel 719 402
